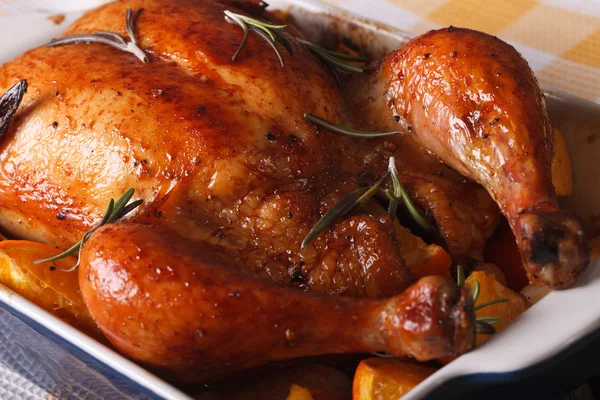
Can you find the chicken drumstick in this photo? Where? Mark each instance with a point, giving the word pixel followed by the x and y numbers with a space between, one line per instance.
pixel 473 100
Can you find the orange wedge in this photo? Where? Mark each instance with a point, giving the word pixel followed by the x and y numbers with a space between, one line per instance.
pixel 46 285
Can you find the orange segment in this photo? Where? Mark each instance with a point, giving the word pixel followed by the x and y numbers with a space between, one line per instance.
pixel 45 284
pixel 421 258
pixel 492 270
pixel 502 250
pixel 299 393
pixel 387 378
pixel 491 289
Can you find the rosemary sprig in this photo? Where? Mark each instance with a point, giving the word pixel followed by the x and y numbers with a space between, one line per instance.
pixel 109 38
pixel 491 302
pixel 114 212
pixel 460 275
pixel 398 193
pixel 357 198
pixel 483 325
pixel 267 31
pixel 9 102
pixel 334 59
pixel 340 130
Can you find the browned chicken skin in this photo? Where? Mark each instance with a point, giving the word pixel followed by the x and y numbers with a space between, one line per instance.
pixel 195 318
pixel 472 100
pixel 206 279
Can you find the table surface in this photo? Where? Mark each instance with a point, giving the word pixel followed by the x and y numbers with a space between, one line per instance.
pixel 559 38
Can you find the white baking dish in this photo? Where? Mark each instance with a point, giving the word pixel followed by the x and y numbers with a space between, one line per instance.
pixel 547 329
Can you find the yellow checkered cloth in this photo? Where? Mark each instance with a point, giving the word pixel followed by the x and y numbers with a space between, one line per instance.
pixel 559 38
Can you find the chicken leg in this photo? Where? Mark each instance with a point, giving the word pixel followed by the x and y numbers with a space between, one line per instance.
pixel 471 99
pixel 179 308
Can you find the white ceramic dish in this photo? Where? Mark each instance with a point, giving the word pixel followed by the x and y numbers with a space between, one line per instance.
pixel 545 330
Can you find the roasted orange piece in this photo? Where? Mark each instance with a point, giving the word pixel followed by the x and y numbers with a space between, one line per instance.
pixel 387 378
pixel 502 250
pixel 491 289
pixel 421 258
pixel 46 284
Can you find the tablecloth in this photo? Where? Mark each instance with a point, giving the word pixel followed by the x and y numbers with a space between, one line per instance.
pixel 559 38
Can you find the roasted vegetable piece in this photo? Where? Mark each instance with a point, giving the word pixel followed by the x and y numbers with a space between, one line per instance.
pixel 491 289
pixel 387 378
pixel 422 259
pixel 491 269
pixel 562 175
pixel 299 393
pixel 298 381
pixel 46 284
pixel 502 251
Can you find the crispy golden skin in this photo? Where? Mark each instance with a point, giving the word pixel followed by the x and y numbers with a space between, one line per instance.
pixel 180 309
pixel 472 100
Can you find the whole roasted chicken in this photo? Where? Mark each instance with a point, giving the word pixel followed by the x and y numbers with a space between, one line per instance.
pixel 208 276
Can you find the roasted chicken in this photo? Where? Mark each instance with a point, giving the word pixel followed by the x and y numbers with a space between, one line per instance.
pixel 208 277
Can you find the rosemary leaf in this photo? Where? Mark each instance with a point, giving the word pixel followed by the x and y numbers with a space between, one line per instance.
pixel 130 23
pixel 341 208
pixel 340 130
pixel 108 38
pixel 488 320
pixel 271 43
pixel 369 193
pixel 111 35
pixel 335 59
pixel 120 204
pixel 244 40
pixel 491 302
pixel 114 212
pixel 476 289
pixel 460 275
pixel 400 191
pixel 483 328
pixel 128 208
pixel 72 250
pixel 267 31
pixel 355 199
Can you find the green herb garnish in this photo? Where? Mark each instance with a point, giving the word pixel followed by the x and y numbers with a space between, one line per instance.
pixel 340 130
pixel 483 325
pixel 342 208
pixel 358 198
pixel 109 38
pixel 114 212
pixel 334 59
pixel 267 31
pixel 398 193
